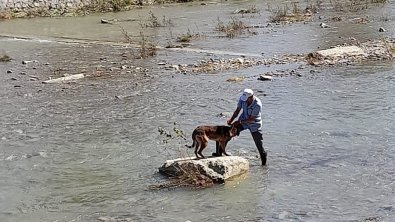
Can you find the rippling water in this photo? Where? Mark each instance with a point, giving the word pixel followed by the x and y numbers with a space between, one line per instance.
pixel 73 152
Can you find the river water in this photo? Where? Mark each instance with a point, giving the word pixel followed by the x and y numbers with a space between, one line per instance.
pixel 89 150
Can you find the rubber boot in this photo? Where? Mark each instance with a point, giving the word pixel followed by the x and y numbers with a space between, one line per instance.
pixel 264 158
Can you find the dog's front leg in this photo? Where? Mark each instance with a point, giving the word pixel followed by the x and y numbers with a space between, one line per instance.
pixel 223 145
pixel 218 149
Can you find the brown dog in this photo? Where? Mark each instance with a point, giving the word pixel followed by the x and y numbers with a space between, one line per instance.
pixel 220 134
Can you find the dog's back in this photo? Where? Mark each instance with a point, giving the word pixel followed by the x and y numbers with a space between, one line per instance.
pixel 216 133
pixel 202 134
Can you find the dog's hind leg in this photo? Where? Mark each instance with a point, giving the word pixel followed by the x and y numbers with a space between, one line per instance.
pixel 197 146
pixel 202 146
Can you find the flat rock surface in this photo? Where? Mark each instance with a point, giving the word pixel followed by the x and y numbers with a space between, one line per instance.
pixel 217 168
pixel 342 51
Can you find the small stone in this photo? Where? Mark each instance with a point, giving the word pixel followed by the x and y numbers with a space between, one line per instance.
pixel 105 21
pixel 27 156
pixel 235 79
pixel 224 114
pixel 12 157
pixel 265 78
pixel 42 154
pixel 19 131
pixel 283 215
pixel 381 29
pixel 175 67
pixel 9 71
pixel 323 25
pixel 186 44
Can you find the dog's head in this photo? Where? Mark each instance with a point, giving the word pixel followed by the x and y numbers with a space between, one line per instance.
pixel 233 130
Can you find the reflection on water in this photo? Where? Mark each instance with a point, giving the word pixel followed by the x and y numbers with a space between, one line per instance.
pixel 74 152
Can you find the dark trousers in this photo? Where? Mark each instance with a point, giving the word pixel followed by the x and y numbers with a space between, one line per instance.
pixel 258 139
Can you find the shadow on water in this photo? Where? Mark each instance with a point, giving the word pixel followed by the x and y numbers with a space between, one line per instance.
pixel 90 149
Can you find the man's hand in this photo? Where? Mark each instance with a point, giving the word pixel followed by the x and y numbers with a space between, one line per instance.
pixel 230 121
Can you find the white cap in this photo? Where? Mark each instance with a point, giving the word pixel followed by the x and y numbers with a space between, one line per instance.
pixel 246 93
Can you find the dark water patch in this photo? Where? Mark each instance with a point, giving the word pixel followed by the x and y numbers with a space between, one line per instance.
pixel 327 161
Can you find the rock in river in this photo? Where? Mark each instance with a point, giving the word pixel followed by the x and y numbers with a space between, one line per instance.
pixel 218 169
pixel 265 78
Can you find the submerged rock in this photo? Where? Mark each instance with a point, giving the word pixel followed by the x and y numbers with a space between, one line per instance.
pixel 218 169
pixel 236 79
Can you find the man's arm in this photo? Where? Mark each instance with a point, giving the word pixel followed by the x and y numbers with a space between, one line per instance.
pixel 235 114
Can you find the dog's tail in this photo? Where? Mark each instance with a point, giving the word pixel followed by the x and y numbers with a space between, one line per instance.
pixel 193 139
pixel 191 146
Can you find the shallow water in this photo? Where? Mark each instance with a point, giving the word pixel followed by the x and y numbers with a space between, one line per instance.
pixel 74 152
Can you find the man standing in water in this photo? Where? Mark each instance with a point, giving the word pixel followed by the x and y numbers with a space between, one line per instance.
pixel 250 119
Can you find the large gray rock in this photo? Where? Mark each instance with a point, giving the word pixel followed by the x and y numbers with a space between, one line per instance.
pixel 342 51
pixel 336 55
pixel 218 169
